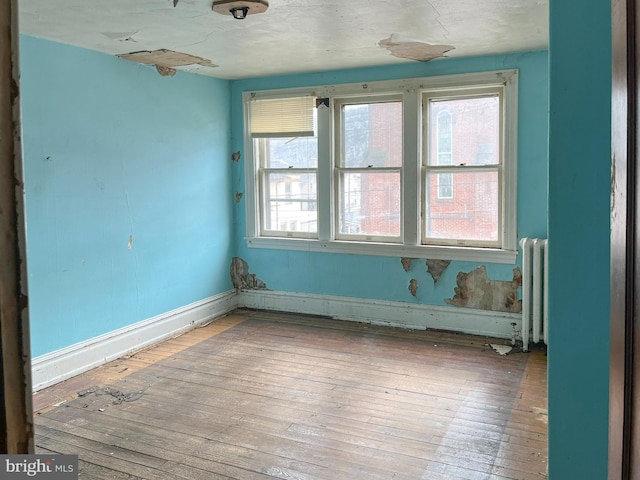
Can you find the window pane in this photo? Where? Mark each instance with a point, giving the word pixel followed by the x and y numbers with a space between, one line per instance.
pixel 472 210
pixel 464 131
pixel 297 152
pixel 291 202
pixel 445 185
pixel 370 203
pixel 372 135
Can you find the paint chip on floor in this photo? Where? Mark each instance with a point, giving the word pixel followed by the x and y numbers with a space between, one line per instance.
pixel 501 349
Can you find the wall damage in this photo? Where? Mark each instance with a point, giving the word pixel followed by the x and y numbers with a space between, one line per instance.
pixel 436 267
pixel 242 279
pixel 406 263
pixel 403 47
pixel 476 290
pixel 413 287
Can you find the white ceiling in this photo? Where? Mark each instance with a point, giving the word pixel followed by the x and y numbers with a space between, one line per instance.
pixel 292 36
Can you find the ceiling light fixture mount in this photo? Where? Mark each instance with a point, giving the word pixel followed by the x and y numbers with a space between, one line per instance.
pixel 239 9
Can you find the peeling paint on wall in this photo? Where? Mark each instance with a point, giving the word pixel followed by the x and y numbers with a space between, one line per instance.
pixel 242 279
pixel 130 244
pixel 476 290
pixel 413 287
pixel 406 263
pixel 235 156
pixel 436 267
pixel 403 47
pixel 165 71
pixel 238 196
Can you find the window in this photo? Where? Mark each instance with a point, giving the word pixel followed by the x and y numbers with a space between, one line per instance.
pixel 369 168
pixel 423 168
pixel 285 148
pixel 473 217
pixel 444 128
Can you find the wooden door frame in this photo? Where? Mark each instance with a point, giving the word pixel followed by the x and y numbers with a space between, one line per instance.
pixel 623 428
pixel 16 408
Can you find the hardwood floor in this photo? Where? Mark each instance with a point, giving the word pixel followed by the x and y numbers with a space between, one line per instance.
pixel 259 395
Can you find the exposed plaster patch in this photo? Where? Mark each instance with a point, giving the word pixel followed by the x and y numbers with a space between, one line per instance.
pixel 476 290
pixel 436 267
pixel 413 287
pixel 235 156
pixel 238 196
pixel 165 71
pixel 166 60
pixel 406 263
pixel 242 279
pixel 403 47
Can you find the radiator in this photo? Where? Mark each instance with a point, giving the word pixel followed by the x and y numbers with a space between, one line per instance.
pixel 535 268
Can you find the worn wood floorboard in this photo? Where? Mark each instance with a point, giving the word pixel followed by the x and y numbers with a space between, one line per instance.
pixel 264 395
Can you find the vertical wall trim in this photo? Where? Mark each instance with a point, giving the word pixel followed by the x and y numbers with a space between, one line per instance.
pixel 325 195
pixel 17 409
pixel 623 233
pixel 411 171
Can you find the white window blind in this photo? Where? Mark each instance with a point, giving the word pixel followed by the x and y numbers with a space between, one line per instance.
pixel 282 117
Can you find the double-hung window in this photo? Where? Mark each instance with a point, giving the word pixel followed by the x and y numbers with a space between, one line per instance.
pixel 463 167
pixel 368 168
pixel 285 147
pixel 421 168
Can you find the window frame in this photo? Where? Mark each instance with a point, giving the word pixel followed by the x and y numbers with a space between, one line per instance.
pixel 410 246
pixel 263 173
pixel 451 169
pixel 338 168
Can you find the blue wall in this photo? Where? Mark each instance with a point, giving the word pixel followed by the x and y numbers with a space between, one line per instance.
pixel 579 190
pixel 384 278
pixel 113 150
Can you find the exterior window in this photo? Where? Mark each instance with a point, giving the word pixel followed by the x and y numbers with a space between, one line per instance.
pixel 474 216
pixel 420 168
pixel 444 153
pixel 287 158
pixel 369 169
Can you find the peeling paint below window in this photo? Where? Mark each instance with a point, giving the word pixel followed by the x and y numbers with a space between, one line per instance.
pixel 242 279
pixel 406 263
pixel 436 267
pixel 413 287
pixel 408 48
pixel 476 290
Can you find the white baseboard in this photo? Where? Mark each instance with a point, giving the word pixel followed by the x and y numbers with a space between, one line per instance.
pixel 377 312
pixel 67 362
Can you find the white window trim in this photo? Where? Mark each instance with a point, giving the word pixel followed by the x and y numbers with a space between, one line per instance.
pixel 481 90
pixel 412 146
pixel 338 102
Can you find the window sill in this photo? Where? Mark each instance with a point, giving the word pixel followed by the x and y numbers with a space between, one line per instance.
pixel 469 254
